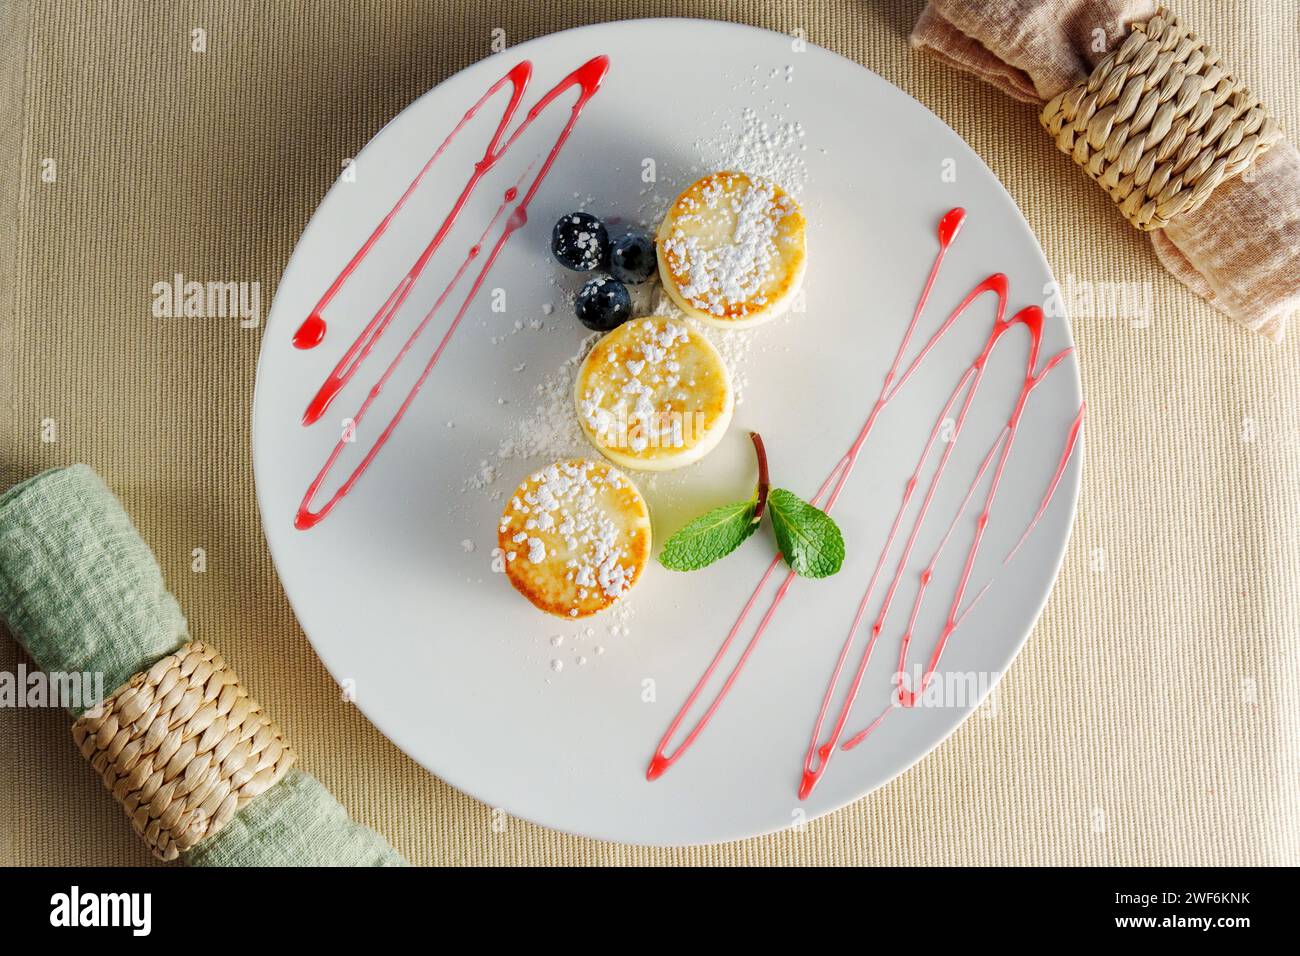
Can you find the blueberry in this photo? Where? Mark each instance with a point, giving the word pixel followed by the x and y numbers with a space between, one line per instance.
pixel 632 258
pixel 580 242
pixel 603 304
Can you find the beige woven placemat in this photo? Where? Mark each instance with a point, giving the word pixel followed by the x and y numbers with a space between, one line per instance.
pixel 1150 719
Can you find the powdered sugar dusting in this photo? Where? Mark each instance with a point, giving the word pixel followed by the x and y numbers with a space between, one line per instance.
pixel 549 429
pixel 769 148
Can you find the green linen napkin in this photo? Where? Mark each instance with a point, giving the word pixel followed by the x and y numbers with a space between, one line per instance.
pixel 82 592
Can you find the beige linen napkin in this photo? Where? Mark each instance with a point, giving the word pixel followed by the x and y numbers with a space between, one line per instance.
pixel 1240 251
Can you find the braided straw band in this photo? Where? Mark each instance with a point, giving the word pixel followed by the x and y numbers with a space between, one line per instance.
pixel 1160 123
pixel 182 747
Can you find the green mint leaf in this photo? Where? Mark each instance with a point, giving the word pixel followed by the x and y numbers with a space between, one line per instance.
pixel 709 537
pixel 809 540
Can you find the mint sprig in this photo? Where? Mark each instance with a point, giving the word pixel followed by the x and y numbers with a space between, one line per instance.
pixel 810 541
pixel 710 537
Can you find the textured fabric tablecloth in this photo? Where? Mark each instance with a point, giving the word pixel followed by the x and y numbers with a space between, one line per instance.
pixel 1151 718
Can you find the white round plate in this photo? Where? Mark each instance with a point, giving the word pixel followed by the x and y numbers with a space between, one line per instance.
pixel 441 654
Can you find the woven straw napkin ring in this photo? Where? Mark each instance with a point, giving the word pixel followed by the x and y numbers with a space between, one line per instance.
pixel 182 747
pixel 1160 122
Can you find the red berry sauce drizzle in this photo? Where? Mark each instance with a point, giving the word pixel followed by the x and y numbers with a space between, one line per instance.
pixel 963 395
pixel 587 78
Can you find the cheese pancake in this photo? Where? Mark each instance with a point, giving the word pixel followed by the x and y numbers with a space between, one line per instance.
pixel 732 250
pixel 654 394
pixel 574 538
